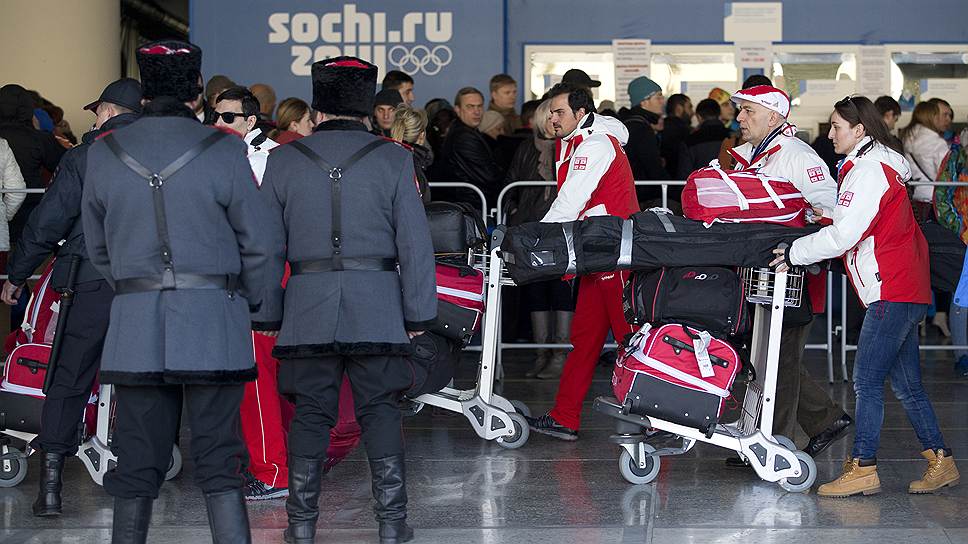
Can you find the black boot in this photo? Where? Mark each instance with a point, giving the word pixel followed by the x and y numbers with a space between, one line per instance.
pixel 48 501
pixel 302 506
pixel 227 517
pixel 390 496
pixel 131 520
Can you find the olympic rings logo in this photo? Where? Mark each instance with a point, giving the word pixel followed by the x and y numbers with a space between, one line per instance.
pixel 420 58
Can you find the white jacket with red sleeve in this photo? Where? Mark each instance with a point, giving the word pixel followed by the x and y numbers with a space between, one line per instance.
pixel 873 228
pixel 593 173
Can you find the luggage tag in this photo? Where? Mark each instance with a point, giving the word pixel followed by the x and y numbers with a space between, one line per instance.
pixel 701 345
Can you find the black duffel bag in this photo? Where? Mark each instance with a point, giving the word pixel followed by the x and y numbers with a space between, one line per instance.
pixel 660 239
pixel 947 254
pixel 455 227
pixel 434 363
pixel 538 251
pixel 648 240
pixel 704 297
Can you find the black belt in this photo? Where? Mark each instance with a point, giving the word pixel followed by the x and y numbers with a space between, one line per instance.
pixel 229 282
pixel 348 263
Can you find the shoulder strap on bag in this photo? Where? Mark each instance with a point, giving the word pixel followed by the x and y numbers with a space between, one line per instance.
pixel 155 181
pixel 336 174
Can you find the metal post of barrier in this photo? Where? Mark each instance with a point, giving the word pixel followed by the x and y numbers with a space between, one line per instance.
pixel 469 187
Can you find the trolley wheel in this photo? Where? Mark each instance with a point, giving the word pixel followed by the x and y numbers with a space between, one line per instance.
pixel 521 433
pixel 630 469
pixel 175 464
pixel 521 408
pixel 808 475
pixel 785 442
pixel 13 467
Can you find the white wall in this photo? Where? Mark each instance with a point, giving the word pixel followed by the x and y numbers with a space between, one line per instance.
pixel 67 50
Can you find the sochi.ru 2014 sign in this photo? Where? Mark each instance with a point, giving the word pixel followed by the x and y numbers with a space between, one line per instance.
pixel 415 43
pixel 443 44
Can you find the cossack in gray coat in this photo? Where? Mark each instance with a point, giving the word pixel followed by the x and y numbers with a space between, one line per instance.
pixel 218 224
pixel 352 312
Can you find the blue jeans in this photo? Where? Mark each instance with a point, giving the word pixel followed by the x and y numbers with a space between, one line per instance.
pixel 888 346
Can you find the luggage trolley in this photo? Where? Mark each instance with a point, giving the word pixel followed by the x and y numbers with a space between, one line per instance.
pixel 94 450
pixel 773 457
pixel 492 416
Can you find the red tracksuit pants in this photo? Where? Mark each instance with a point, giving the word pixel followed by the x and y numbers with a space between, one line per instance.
pixel 598 309
pixel 266 416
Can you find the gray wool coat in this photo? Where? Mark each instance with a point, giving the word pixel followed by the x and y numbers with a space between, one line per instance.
pixel 352 312
pixel 218 224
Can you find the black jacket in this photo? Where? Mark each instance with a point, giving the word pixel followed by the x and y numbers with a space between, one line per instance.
pixel 527 204
pixel 674 133
pixel 33 149
pixel 468 159
pixel 701 147
pixel 423 157
pixel 58 217
pixel 642 150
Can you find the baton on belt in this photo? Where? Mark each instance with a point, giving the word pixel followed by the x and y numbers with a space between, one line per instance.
pixel 66 301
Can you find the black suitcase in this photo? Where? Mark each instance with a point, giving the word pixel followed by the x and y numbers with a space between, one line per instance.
pixel 455 227
pixel 705 297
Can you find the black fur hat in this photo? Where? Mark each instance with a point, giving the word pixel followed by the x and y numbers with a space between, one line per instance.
pixel 344 86
pixel 170 68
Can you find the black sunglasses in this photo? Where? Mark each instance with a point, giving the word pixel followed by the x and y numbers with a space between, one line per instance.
pixel 229 116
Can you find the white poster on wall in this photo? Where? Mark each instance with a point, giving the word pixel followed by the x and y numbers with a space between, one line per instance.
pixel 632 59
pixel 873 71
pixel 954 91
pixel 824 92
pixel 754 58
pixel 753 22
pixel 698 90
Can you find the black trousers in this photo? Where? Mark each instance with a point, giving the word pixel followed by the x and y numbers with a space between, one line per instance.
pixel 313 386
pixel 800 401
pixel 147 422
pixel 77 366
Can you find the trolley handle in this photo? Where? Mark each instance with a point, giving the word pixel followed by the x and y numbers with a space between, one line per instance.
pixel 812 269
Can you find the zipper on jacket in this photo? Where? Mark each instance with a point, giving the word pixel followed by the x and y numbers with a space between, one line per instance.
pixel 853 261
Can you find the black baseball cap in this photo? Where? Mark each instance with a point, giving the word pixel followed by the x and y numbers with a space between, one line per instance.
pixel 125 92
pixel 579 78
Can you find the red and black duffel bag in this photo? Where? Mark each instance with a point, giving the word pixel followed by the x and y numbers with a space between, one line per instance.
pixel 705 297
pixel 24 372
pixel 742 196
pixel 677 374
pixel 460 302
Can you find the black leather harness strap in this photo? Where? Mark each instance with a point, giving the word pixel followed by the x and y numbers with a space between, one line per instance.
pixel 336 176
pixel 156 180
pixel 376 264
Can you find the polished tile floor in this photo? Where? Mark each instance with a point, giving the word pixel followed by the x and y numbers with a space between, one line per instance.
pixel 464 490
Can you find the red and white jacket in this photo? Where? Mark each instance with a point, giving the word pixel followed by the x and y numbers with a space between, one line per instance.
pixel 593 173
pixel 789 157
pixel 873 228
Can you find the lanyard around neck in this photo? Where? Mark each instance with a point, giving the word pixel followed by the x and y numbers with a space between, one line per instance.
pixel 765 143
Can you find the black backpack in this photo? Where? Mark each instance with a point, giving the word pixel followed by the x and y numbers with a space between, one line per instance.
pixel 704 297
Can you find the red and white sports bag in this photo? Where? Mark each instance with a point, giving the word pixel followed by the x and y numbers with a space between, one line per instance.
pixel 676 373
pixel 460 301
pixel 742 196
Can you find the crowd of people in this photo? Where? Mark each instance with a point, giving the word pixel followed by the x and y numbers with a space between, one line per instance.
pixel 295 408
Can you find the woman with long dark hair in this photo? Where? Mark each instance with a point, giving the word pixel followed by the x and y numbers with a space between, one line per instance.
pixel 886 257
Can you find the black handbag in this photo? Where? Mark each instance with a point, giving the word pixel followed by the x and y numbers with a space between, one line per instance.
pixel 455 227
pixel 704 297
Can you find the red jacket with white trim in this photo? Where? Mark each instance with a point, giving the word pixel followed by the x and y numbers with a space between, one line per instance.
pixel 873 228
pixel 593 173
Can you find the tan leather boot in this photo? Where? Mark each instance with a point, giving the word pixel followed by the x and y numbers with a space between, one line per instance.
pixel 941 472
pixel 855 480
